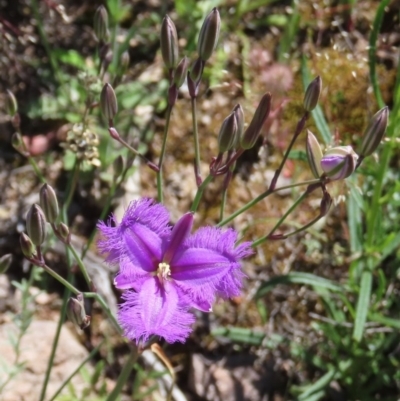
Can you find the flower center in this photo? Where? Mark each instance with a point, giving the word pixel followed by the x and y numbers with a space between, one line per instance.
pixel 163 271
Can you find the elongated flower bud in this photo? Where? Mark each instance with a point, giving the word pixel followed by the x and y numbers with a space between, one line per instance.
pixel 36 225
pixel 261 114
pixel 169 43
pixel 314 154
pixel 209 34
pixel 227 133
pixel 49 203
pixel 125 60
pixel 27 247
pixel 374 133
pixel 339 162
pixel 16 141
pixel 101 24
pixel 65 235
pixel 5 262
pixel 238 110
pixel 11 104
pixel 76 312
pixel 196 70
pixel 181 72
pixel 108 102
pixel 312 94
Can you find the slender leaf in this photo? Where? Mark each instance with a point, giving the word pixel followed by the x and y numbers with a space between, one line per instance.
pixel 319 385
pixel 372 51
pixel 362 305
pixel 298 278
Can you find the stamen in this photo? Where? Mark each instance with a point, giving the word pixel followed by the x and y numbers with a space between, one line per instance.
pixel 163 271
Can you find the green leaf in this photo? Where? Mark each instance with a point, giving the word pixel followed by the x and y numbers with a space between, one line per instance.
pixel 362 305
pixel 239 334
pixel 298 278
pixel 314 391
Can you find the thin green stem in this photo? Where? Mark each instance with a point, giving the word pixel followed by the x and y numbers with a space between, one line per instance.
pixel 196 142
pixel 281 220
pixel 299 128
pixel 81 265
pixel 199 193
pixel 71 189
pixel 105 307
pixel 123 377
pixel 68 379
pixel 263 196
pixel 162 154
pixel 45 42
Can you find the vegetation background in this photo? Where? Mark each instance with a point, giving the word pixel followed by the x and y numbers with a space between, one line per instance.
pixel 319 317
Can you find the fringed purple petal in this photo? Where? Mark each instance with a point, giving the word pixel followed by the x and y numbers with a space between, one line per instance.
pixel 210 265
pixel 156 310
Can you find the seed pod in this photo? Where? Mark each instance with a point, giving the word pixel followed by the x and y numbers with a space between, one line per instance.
pixel 169 43
pixel 108 102
pixel 314 154
pixel 227 133
pixel 27 247
pixel 5 262
pixel 76 312
pixel 312 94
pixel 11 104
pixel 339 162
pixel 209 34
pixel 101 24
pixel 374 133
pixel 261 114
pixel 49 203
pixel 36 225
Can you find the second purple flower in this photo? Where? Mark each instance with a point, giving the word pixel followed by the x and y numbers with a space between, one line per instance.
pixel 167 271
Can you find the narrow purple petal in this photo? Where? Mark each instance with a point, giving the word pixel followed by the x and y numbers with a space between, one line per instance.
pixel 179 233
pixel 156 310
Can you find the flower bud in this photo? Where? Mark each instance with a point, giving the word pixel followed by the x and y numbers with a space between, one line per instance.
pixel 339 162
pixel 312 94
pixel 63 230
pixel 181 72
pixel 249 138
pixel 125 60
pixel 208 36
pixel 49 203
pixel 374 133
pixel 36 225
pixel 196 71
pixel 17 141
pixel 169 43
pixel 5 262
pixel 27 247
pixel 118 166
pixel 76 312
pixel 240 124
pixel 101 24
pixel 227 133
pixel 11 104
pixel 314 154
pixel 108 102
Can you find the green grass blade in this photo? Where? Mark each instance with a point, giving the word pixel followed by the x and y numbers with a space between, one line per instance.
pixel 362 305
pixel 319 385
pixel 298 278
pixel 372 51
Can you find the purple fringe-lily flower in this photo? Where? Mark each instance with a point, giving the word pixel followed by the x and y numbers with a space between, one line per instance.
pixel 167 271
